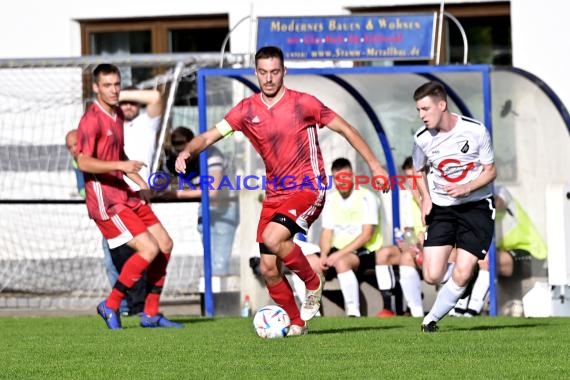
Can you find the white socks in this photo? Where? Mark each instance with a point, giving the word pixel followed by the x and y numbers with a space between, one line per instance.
pixel 479 292
pixel 412 288
pixel 446 299
pixel 385 277
pixel 350 292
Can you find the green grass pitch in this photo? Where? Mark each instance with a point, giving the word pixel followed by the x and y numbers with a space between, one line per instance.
pixel 81 347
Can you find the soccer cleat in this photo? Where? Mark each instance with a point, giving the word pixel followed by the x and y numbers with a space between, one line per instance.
pixel 111 317
pixel 312 302
pixel 158 320
pixel 470 313
pixel 456 312
pixel 352 312
pixel 430 327
pixel 296 330
pixel 386 313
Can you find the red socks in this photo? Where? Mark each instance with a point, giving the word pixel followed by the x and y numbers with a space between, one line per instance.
pixel 283 296
pixel 131 273
pixel 156 275
pixel 298 263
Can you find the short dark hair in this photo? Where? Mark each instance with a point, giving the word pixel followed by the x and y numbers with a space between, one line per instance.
pixel 105 69
pixel 433 89
pixel 181 133
pixel 408 163
pixel 341 163
pixel 269 52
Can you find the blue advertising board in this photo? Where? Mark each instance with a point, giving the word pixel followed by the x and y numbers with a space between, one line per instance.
pixel 361 37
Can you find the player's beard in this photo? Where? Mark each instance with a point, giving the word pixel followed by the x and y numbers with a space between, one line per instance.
pixel 273 90
pixel 129 116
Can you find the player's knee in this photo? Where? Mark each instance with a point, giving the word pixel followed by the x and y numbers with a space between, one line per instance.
pixel 149 249
pixel 388 256
pixel 407 260
pixel 270 273
pixel 343 266
pixel 432 276
pixel 271 241
pixel 431 279
pixel 381 256
pixel 461 276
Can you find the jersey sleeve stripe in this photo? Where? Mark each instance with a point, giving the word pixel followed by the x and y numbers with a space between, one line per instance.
pixel 421 132
pixel 467 119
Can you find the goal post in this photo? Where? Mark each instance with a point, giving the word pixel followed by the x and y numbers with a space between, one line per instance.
pixel 50 251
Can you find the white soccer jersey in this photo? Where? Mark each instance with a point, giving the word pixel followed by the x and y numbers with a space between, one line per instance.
pixel 456 156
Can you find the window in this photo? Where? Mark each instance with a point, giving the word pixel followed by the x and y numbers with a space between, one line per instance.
pixel 489 40
pixel 487 26
pixel 152 35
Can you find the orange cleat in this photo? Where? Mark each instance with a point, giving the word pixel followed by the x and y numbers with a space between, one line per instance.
pixel 385 313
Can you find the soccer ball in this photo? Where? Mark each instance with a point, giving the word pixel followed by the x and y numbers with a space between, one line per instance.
pixel 271 322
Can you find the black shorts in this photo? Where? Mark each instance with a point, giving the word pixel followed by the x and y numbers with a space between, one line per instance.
pixel 522 263
pixel 469 226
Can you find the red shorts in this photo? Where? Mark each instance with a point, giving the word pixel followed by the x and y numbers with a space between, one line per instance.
pixel 301 209
pixel 127 224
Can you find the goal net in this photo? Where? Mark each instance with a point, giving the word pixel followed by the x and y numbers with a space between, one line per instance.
pixel 51 253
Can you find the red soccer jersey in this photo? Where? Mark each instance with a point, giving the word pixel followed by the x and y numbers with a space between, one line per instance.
pixel 100 135
pixel 285 136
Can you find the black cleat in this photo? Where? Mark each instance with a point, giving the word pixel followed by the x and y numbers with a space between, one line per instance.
pixel 430 327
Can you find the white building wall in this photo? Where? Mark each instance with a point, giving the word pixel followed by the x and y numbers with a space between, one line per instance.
pixel 37 28
pixel 540 44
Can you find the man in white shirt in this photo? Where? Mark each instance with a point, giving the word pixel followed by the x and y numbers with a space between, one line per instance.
pixel 454 156
pixel 141 128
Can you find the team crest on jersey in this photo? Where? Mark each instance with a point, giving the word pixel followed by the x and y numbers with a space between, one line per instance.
pixel 463 146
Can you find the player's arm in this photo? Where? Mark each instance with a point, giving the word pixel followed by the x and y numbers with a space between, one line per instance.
pixel 197 145
pixel 426 203
pixel 351 134
pixel 134 176
pixel 325 245
pixel 488 175
pixel 413 187
pixel 88 133
pixel 144 190
pixel 94 165
pixel 152 100
pixel 420 177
